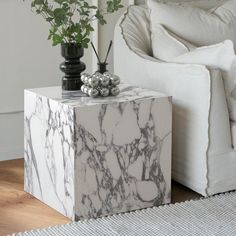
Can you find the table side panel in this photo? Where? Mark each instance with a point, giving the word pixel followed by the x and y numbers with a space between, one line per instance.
pixel 123 156
pixel 49 152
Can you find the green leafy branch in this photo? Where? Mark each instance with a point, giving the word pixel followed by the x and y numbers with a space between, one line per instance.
pixel 71 20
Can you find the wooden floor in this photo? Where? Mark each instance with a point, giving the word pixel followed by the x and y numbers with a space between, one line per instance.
pixel 20 211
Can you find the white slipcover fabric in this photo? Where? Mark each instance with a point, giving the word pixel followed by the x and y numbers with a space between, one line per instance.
pixel 219 22
pixel 171 48
pixel 230 89
pixel 233 133
pixel 203 158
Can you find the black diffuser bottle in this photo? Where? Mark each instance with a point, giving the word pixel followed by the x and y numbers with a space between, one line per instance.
pixel 72 66
pixel 102 66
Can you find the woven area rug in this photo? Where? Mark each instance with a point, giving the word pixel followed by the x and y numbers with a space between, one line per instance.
pixel 210 216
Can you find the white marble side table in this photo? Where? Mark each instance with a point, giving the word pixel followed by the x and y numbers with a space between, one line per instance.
pixel 89 157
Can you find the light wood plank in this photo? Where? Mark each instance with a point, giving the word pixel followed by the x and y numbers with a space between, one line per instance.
pixel 20 212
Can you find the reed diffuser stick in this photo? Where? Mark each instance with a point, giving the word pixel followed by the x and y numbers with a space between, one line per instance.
pixel 95 52
pixel 109 49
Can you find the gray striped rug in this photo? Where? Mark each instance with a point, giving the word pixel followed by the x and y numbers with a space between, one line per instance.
pixel 210 216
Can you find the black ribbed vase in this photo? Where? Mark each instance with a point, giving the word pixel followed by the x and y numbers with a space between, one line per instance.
pixel 72 66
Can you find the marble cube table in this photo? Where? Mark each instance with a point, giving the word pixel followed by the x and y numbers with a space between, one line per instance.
pixel 89 157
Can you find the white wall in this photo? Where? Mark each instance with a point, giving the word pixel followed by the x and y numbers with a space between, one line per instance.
pixel 11 136
pixel 28 60
pixel 105 33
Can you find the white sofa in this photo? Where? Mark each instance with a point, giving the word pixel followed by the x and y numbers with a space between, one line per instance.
pixel 203 157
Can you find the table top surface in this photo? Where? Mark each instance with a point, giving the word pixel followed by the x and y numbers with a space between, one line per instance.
pixel 79 99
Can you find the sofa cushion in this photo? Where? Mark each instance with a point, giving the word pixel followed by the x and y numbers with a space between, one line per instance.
pixel 196 25
pixel 205 4
pixel 171 48
pixel 166 46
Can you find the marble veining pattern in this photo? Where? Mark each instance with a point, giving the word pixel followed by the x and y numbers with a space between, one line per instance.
pixel 90 157
pixel 49 152
pixel 118 160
